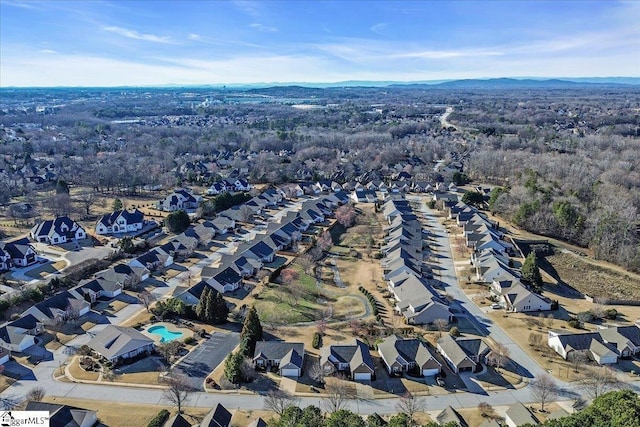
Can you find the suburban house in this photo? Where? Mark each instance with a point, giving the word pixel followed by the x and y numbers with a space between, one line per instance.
pixel 515 297
pixel 56 231
pixel 153 260
pixel 18 253
pixel 179 199
pixel 224 278
pixel 217 417
pixel 123 221
pixel 258 422
pixel 353 360
pixel 604 346
pixel 364 196
pixel 127 274
pixel 449 416
pixel 404 355
pixel 60 307
pixel 177 421
pixel 64 415
pixel 98 288
pixel 518 415
pixel 117 343
pixel 286 357
pixel 462 354
pixel 19 334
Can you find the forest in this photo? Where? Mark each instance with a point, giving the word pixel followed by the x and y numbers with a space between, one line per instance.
pixel 563 161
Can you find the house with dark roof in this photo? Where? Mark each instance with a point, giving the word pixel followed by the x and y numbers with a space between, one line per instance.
pixel 224 278
pixel 462 354
pixel 117 343
pixel 153 260
pixel 60 307
pixel 65 415
pixel 5 355
pixel 405 355
pixel 179 199
pixel 18 253
pixel 217 417
pixel 19 334
pixel 122 221
pixel 177 421
pixel 99 288
pixel 625 339
pixel 354 360
pixel 286 357
pixel 57 231
pixel 590 344
pixel 258 422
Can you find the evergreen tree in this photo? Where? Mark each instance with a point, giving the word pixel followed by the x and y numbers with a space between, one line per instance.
pixel 177 221
pixel 219 309
pixel 233 367
pixel 531 271
pixel 117 205
pixel 344 418
pixel 202 304
pixel 251 332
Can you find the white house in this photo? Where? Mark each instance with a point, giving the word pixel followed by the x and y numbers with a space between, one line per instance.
pixel 179 199
pixel 57 231
pixel 120 222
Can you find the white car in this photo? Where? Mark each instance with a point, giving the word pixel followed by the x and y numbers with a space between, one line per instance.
pixel 496 306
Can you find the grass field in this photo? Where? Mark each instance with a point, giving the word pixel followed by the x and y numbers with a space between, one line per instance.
pixel 594 280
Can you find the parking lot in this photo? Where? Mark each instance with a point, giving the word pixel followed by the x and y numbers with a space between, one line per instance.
pixel 207 356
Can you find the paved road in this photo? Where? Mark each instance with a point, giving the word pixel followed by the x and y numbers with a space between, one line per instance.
pixel 207 356
pixel 43 373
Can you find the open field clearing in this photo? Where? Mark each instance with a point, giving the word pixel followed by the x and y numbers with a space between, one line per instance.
pixel 594 280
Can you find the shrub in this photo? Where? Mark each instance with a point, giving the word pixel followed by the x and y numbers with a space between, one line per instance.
pixel 454 332
pixel 574 323
pixel 316 341
pixel 189 340
pixel 160 419
pixel 611 313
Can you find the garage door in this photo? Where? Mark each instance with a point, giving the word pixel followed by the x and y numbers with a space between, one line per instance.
pixel 291 372
pixel 362 376
pixel 430 372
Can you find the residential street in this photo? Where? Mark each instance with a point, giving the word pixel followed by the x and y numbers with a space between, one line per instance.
pixel 220 344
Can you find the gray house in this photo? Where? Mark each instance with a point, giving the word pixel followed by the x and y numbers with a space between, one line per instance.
pixel 117 343
pixel 287 357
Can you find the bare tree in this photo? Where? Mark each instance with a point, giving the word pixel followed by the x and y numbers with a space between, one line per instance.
pixel 410 405
pixel 338 393
pixel 245 214
pixel 168 350
pixel 178 390
pixel 72 312
pixel 550 321
pixel 441 325
pixel 146 298
pixel 600 380
pixel 577 359
pixel 498 356
pixel 87 200
pixel 324 242
pixel 296 291
pixel 306 263
pixel 7 403
pixel 278 401
pixel 544 389
pixel 317 373
pixel 289 275
pixel 346 215
pixel 36 394
pixel 535 339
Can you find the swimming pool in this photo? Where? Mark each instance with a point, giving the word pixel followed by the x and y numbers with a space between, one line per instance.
pixel 165 334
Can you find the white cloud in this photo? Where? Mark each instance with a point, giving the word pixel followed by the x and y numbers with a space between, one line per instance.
pixel 379 28
pixel 264 28
pixel 48 51
pixel 132 34
pixel 194 36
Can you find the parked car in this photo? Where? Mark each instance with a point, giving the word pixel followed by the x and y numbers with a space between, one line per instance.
pixel 496 306
pixel 440 381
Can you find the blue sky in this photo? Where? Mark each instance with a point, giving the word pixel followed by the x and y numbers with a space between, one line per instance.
pixel 110 43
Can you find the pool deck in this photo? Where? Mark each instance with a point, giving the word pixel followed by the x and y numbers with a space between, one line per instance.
pixel 186 332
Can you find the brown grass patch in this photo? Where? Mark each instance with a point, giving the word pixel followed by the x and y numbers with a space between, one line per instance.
pixel 595 280
pixel 77 372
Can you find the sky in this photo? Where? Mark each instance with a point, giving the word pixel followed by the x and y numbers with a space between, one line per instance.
pixel 145 43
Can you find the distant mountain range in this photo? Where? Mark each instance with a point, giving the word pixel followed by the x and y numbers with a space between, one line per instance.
pixel 488 83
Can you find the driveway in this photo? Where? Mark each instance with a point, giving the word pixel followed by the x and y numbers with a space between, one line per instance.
pixel 198 364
